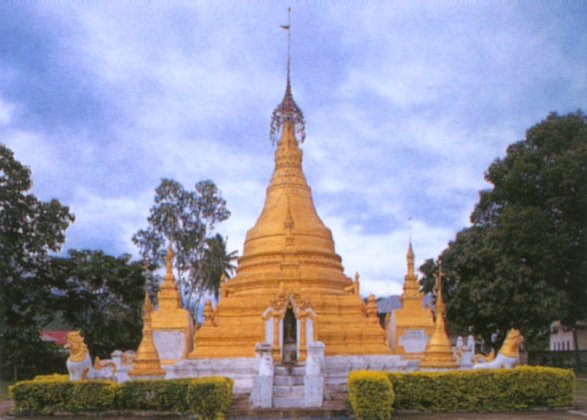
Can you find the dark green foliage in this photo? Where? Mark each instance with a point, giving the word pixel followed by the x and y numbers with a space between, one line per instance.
pixel 186 219
pixel 522 264
pixel 92 396
pixel 41 397
pixel 29 230
pixel 100 295
pixel 205 397
pixel 371 395
pixel 154 395
pixel 209 396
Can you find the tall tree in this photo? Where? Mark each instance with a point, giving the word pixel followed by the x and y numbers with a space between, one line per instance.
pixel 29 230
pixel 186 219
pixel 522 262
pixel 102 296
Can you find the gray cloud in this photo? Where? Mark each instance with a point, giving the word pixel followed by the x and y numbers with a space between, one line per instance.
pixel 407 103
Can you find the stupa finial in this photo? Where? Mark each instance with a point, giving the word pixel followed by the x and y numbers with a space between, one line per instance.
pixel 410 258
pixel 440 307
pixel 287 110
pixel 169 264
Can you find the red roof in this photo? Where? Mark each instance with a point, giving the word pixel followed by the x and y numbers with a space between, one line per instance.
pixel 57 337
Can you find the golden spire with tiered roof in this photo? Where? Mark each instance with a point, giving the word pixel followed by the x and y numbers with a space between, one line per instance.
pixel 147 363
pixel 438 354
pixel 171 318
pixel 412 316
pixel 289 260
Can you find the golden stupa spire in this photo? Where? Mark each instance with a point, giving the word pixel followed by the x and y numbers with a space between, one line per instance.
pixel 147 361
pixel 438 353
pixel 411 286
pixel 287 110
pixel 168 296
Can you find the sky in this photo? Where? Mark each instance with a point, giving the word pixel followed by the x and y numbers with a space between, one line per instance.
pixel 406 103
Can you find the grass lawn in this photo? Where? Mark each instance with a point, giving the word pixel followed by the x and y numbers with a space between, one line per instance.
pixel 582 386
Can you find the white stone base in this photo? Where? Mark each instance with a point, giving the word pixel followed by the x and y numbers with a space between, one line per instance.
pixel 337 369
pixel 241 370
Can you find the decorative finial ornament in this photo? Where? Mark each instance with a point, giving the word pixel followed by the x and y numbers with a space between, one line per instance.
pixel 287 110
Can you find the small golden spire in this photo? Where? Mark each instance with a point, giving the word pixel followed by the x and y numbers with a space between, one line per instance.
pixel 410 258
pixel 168 296
pixel 439 306
pixel 147 361
pixel 169 264
pixel 438 353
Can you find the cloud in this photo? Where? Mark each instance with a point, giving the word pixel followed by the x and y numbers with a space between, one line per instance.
pixel 406 106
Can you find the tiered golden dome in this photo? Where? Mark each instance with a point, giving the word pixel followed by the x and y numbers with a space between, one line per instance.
pixel 289 256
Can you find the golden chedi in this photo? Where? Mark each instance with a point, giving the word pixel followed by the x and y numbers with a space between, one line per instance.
pixel 172 325
pixel 438 354
pixel 412 324
pixel 147 364
pixel 289 288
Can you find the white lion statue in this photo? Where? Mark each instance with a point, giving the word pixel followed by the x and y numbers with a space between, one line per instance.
pixel 79 363
pixel 507 357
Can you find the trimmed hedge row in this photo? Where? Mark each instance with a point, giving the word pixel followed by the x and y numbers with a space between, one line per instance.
pixel 207 397
pixel 471 390
pixel 371 395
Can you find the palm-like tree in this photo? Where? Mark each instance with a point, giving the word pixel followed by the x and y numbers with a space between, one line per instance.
pixel 217 263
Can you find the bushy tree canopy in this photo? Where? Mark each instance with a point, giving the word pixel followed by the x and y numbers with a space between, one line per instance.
pixel 100 295
pixel 523 262
pixel 29 230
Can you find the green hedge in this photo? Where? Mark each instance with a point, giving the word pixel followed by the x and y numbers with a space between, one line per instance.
pixel 477 390
pixel 370 395
pixel 48 396
pixel 207 397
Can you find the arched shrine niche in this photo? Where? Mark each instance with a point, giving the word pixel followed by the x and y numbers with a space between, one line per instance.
pixel 289 327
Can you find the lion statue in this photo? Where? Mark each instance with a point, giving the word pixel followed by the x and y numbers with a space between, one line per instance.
pixel 507 357
pixel 79 363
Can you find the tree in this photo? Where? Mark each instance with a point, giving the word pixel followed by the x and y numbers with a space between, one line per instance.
pixel 29 230
pixel 102 296
pixel 217 263
pixel 522 262
pixel 184 219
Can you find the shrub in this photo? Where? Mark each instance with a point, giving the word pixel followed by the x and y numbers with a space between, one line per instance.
pixel 157 395
pixel 40 397
pixel 484 390
pixel 92 396
pixel 208 396
pixel 371 395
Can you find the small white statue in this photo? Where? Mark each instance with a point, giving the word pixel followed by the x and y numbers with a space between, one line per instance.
pixel 79 363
